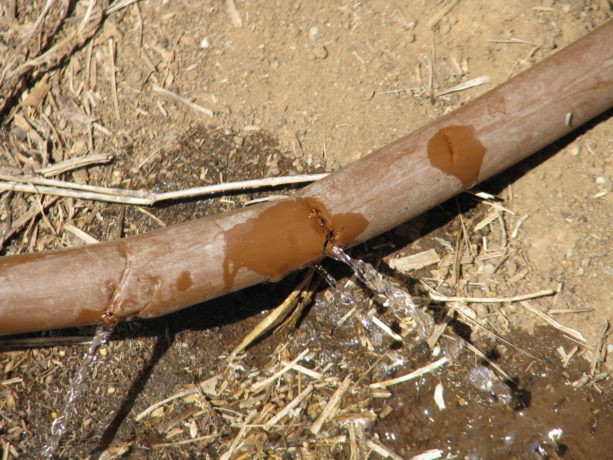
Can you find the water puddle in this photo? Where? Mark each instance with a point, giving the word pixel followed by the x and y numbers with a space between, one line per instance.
pixel 58 428
pixel 471 410
pixel 471 413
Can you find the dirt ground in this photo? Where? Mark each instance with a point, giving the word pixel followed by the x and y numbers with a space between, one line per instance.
pixel 305 87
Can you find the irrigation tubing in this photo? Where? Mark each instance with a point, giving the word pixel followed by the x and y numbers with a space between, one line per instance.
pixel 156 273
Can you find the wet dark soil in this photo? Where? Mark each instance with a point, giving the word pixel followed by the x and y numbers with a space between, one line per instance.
pixel 148 361
pixel 546 418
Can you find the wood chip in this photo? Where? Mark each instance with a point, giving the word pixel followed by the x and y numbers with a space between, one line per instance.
pixel 382 451
pixel 415 261
pixel 80 234
pixel 235 15
pixel 439 399
pixel 431 454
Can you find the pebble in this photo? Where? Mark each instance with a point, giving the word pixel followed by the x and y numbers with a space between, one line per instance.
pixel 320 52
pixel 605 182
pixel 314 34
pixel 489 269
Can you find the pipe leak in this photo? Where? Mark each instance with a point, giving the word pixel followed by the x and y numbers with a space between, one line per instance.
pixel 456 151
pixel 286 236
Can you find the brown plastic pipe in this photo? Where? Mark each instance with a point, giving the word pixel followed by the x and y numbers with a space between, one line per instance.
pixel 163 271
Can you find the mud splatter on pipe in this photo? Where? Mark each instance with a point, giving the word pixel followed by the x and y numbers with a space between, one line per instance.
pixel 166 270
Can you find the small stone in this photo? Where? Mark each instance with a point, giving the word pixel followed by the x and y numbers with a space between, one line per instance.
pixel 320 52
pixel 314 34
pixel 205 43
pixel 605 182
pixel 489 269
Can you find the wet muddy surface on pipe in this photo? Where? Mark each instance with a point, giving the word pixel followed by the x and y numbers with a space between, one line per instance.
pixel 455 150
pixel 286 236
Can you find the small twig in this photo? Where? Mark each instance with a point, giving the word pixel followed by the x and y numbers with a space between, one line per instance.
pixel 466 85
pixel 441 14
pixel 259 385
pixel 41 17
pixel 569 356
pixel 483 356
pixel 113 78
pixel 276 316
pixel 152 216
pixel 382 451
pixel 441 298
pixel 139 197
pixel 24 219
pixel 83 236
pixel 158 89
pixel 385 328
pixel 514 41
pixel 74 163
pixel 568 330
pixel 415 261
pixel 163 402
pixel 305 370
pixel 598 348
pixel 493 334
pixel 331 406
pixel 209 437
pixel 241 434
pixel 439 329
pixel 116 6
pixel 518 225
pixel 290 406
pixel 559 311
pixel 411 376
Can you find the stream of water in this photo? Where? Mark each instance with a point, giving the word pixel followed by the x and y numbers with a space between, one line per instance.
pixel 58 428
pixel 387 293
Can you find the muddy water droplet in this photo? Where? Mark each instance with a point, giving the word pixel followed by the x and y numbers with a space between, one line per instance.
pixel 58 428
pixel 184 282
pixel 456 151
